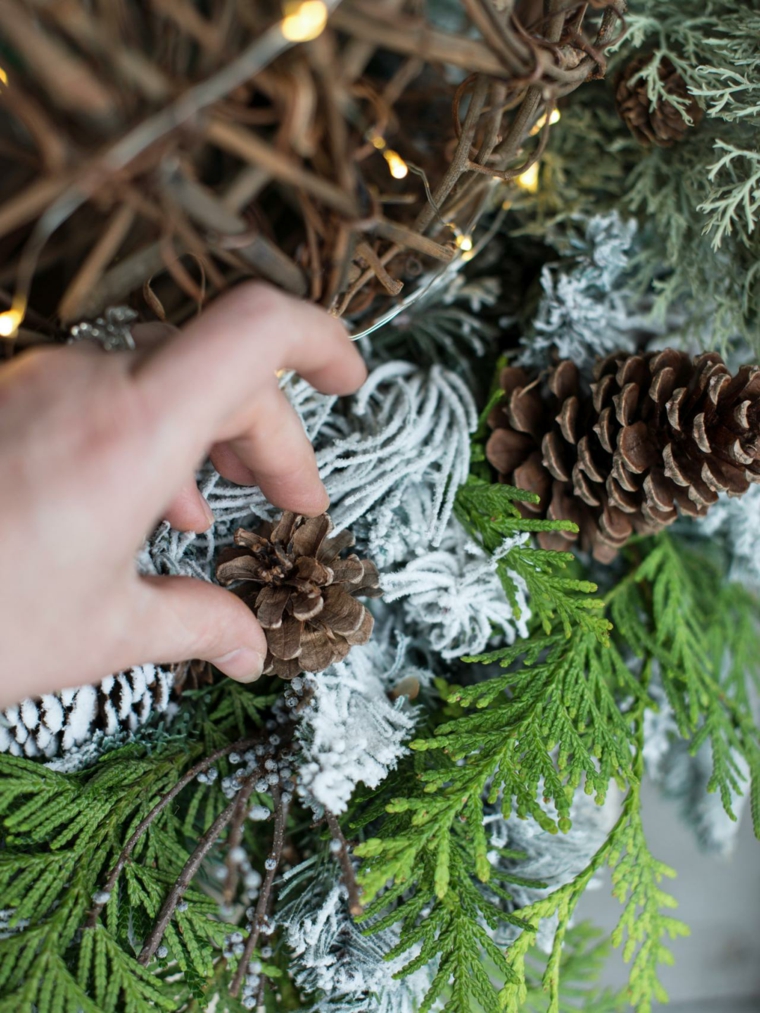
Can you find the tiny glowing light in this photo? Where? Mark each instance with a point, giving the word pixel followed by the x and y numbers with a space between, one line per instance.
pixel 539 125
pixel 378 141
pixel 529 179
pixel 464 243
pixel 304 21
pixel 10 321
pixel 3 76
pixel 398 167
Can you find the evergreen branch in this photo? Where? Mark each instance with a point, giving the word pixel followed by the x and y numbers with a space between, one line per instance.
pixel 157 809
pixel 490 514
pixel 671 613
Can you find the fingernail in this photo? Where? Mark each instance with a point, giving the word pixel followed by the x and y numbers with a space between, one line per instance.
pixel 244 665
pixel 209 513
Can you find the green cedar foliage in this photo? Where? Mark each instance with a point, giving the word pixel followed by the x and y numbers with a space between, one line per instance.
pixel 62 833
pixel 583 956
pixel 566 714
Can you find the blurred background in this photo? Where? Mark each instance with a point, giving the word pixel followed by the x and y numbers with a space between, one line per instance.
pixel 717 969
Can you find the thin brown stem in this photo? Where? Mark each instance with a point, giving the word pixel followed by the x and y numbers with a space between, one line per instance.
pixel 262 907
pixel 234 839
pixel 344 858
pixel 205 844
pixel 157 809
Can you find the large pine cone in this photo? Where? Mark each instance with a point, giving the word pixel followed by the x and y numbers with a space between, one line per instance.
pixel 665 124
pixel 302 592
pixel 657 434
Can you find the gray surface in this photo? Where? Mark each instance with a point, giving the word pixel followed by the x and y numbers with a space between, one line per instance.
pixel 714 1006
pixel 717 969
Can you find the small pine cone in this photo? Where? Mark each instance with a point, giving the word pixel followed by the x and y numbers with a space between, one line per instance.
pixel 665 124
pixel 657 435
pixel 58 723
pixel 302 592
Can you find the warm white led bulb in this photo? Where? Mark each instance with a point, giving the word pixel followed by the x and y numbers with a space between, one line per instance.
pixel 304 21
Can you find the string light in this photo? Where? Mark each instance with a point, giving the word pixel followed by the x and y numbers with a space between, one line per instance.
pixel 541 123
pixel 3 76
pixel 396 164
pixel 10 321
pixel 398 167
pixel 528 180
pixel 464 243
pixel 304 20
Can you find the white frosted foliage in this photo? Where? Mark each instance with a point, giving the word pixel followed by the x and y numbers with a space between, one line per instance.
pixel 352 732
pixel 454 597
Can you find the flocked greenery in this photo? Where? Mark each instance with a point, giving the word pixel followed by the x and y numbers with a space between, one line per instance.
pixel 699 201
pixel 567 714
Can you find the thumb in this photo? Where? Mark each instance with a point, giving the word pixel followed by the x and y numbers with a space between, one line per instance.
pixel 180 618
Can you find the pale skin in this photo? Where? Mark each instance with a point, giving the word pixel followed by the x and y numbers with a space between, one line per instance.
pixel 95 448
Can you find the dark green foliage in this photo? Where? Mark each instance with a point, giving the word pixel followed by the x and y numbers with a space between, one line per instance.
pixel 62 835
pixel 697 201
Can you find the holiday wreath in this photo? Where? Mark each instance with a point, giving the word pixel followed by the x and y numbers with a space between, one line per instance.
pixel 541 222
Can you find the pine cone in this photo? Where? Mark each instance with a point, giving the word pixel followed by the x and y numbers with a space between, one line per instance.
pixel 665 124
pixel 60 722
pixel 657 434
pixel 302 592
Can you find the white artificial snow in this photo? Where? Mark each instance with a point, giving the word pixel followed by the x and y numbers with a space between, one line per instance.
pixel 334 958
pixel 737 522
pixel 551 859
pixel 81 717
pixel 352 732
pixel 585 310
pixel 75 722
pixel 684 778
pixel 454 597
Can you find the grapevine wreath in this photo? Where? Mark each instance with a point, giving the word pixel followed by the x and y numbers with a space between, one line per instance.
pixel 535 586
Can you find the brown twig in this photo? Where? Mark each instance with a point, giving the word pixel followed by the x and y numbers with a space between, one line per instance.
pixel 157 809
pixel 234 839
pixel 262 906
pixel 344 858
pixel 99 257
pixel 205 844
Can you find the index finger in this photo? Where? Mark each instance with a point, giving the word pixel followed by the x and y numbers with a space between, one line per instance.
pixel 199 380
pixel 240 341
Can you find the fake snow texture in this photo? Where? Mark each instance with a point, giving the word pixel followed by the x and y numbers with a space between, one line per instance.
pixel 454 597
pixel 352 733
pixel 585 310
pixel 684 778
pixel 552 859
pixel 61 722
pixel 333 959
pixel 737 523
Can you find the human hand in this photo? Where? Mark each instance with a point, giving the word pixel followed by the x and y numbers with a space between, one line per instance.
pixel 95 448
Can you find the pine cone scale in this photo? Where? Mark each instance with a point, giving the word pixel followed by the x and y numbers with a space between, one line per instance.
pixel 656 435
pixel 304 594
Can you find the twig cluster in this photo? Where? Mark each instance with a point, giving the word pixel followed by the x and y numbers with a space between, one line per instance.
pixel 171 153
